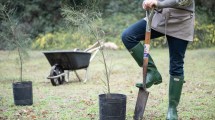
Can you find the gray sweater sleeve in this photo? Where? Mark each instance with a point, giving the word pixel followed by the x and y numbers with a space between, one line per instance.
pixel 174 3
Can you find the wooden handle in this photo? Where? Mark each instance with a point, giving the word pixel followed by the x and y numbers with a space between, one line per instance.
pixel 146 55
pixel 147 37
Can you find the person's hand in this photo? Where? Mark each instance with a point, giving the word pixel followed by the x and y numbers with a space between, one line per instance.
pixel 149 4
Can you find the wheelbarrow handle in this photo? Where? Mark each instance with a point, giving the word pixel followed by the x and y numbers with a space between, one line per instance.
pixel 95 45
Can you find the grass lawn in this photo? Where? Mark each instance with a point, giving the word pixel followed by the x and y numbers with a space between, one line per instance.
pixel 78 101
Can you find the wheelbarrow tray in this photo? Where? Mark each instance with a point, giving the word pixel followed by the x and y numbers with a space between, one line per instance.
pixel 68 60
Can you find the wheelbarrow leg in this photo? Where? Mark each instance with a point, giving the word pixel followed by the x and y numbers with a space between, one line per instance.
pixel 67 72
pixel 77 76
pixel 86 75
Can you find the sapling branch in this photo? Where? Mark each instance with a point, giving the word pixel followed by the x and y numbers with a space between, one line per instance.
pixel 14 39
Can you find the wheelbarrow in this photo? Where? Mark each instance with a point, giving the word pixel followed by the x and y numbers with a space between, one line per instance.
pixel 64 61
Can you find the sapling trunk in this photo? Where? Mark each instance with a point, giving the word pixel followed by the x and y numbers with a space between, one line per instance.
pixel 106 69
pixel 20 60
pixel 103 57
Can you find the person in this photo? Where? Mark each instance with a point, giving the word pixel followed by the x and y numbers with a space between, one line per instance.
pixel 173 19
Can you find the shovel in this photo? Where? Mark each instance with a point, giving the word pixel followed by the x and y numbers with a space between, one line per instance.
pixel 143 93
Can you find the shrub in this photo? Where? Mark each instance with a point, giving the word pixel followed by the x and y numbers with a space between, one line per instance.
pixel 204 36
pixel 62 40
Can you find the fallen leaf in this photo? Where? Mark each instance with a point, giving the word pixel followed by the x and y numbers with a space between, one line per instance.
pixel 33 117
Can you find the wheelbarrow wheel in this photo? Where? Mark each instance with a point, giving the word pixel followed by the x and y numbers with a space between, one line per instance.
pixel 57 70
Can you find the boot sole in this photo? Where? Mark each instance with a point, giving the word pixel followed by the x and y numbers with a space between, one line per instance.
pixel 155 83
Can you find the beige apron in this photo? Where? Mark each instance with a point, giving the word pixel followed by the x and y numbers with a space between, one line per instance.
pixel 175 22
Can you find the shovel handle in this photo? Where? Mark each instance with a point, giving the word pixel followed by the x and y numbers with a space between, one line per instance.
pixel 149 15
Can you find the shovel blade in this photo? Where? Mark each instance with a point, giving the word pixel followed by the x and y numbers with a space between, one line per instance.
pixel 140 104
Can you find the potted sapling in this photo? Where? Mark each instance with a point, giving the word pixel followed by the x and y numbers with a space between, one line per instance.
pixel 112 106
pixel 16 39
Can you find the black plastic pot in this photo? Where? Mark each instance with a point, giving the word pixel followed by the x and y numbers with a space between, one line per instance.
pixel 112 107
pixel 22 93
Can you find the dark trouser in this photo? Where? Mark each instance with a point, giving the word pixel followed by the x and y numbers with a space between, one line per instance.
pixel 177 47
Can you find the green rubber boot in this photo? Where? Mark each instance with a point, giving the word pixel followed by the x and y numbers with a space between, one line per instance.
pixel 153 76
pixel 175 88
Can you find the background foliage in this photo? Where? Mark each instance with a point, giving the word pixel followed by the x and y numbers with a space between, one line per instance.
pixel 47 28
